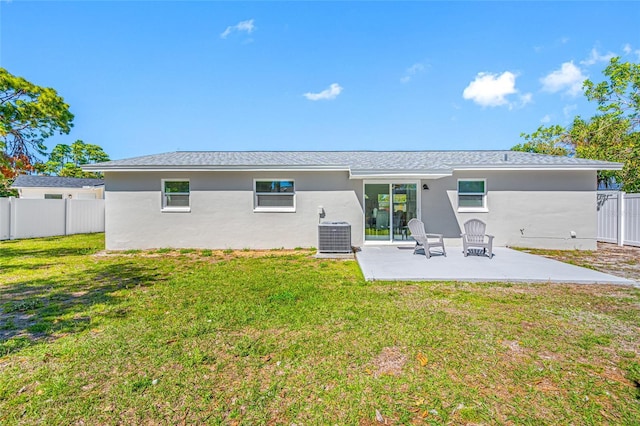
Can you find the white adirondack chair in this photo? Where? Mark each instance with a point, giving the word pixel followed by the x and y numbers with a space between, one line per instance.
pixel 423 240
pixel 474 237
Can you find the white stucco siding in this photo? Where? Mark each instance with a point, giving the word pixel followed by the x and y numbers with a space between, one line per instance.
pixel 537 209
pixel 525 208
pixel 222 210
pixel 73 193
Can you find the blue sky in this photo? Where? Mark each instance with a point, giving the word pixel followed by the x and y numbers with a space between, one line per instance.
pixel 148 77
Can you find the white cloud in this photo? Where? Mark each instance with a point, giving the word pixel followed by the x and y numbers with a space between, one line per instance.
pixel 491 90
pixel 328 94
pixel 243 26
pixel 554 45
pixel 627 49
pixel 595 57
pixel 568 109
pixel 525 99
pixel 568 78
pixel 411 71
pixel 546 119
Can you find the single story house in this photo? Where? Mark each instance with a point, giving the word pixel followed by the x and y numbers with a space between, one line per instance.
pixel 262 200
pixel 58 187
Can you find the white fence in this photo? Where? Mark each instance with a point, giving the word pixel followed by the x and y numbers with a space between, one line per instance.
pixel 29 218
pixel 619 218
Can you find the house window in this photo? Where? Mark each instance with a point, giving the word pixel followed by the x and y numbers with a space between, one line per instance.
pixel 53 196
pixel 175 195
pixel 472 195
pixel 274 195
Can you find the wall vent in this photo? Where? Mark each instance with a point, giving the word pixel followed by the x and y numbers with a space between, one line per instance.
pixel 334 237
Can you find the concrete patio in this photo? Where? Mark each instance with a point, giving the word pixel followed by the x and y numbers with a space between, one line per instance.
pixel 398 263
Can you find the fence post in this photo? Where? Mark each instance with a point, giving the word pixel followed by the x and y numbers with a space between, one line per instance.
pixel 67 213
pixel 620 218
pixel 12 218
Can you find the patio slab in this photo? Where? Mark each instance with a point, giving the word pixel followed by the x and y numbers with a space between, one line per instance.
pixel 398 263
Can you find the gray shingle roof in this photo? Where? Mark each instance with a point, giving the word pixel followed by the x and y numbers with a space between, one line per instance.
pixel 33 181
pixel 357 162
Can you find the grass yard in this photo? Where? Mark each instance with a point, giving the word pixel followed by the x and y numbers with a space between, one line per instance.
pixel 201 336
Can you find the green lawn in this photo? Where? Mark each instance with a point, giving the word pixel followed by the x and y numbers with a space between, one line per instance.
pixel 201 336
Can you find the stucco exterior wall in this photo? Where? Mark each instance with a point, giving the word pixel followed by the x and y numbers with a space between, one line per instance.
pixel 222 211
pixel 72 193
pixel 536 209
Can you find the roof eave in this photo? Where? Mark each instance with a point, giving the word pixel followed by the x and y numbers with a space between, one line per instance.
pixel 532 167
pixel 66 188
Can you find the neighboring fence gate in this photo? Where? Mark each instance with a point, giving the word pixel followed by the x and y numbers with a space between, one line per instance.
pixel 29 218
pixel 619 218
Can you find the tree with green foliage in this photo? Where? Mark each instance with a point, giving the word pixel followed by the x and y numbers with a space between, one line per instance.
pixel 616 133
pixel 10 167
pixel 66 160
pixel 605 137
pixel 552 140
pixel 5 187
pixel 612 135
pixel 618 97
pixel 28 115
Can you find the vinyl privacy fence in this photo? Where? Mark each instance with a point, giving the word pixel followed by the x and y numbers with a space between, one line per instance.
pixel 30 218
pixel 619 218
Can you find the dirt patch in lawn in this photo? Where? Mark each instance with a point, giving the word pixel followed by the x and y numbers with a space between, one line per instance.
pixel 389 362
pixel 205 254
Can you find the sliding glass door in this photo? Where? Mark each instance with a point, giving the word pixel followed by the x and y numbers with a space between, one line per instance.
pixel 377 199
pixel 388 208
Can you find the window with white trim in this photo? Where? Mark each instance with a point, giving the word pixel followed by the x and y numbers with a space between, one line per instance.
pixel 274 195
pixel 472 195
pixel 53 196
pixel 176 195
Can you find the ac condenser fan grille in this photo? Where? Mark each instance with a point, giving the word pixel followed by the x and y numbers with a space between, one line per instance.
pixel 334 237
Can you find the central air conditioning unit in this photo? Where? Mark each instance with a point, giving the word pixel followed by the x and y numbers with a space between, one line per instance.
pixel 334 237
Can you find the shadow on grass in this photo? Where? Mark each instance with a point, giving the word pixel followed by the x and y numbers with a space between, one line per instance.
pixel 42 309
pixel 9 252
pixel 10 267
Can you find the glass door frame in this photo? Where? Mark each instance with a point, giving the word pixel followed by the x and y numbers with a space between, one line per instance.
pixel 389 182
